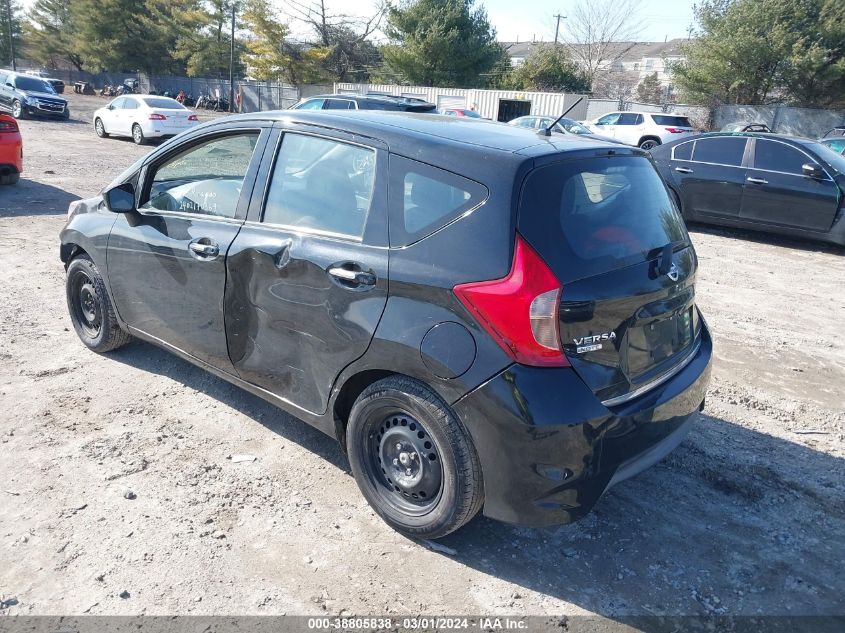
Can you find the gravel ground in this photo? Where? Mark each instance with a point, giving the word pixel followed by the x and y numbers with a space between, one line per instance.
pixel 118 494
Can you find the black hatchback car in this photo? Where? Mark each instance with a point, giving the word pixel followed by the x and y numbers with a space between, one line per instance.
pixel 364 102
pixel 482 317
pixel 24 95
pixel 768 182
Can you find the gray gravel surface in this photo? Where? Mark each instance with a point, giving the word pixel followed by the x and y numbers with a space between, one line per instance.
pixel 118 494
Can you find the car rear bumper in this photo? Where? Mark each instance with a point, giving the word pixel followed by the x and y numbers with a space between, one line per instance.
pixel 549 449
pixel 11 153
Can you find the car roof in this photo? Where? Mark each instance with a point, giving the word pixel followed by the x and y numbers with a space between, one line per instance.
pixel 402 128
pixel 369 97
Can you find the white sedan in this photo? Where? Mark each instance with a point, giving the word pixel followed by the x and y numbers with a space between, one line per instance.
pixel 143 117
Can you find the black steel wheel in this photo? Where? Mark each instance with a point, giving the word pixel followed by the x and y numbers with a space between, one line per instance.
pixel 90 308
pixel 412 459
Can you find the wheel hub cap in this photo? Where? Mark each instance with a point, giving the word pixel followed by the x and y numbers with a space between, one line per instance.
pixel 408 459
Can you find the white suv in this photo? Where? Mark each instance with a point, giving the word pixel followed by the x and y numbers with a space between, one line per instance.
pixel 643 129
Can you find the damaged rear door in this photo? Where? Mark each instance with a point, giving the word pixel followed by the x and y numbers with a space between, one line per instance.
pixel 307 274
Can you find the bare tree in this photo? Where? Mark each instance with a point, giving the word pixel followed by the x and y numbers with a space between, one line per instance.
pixel 599 33
pixel 344 37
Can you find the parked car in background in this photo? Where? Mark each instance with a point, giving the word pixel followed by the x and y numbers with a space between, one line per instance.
pixel 24 95
pixel 364 102
pixel 836 144
pixel 57 84
pixel 746 127
pixel 143 117
pixel 564 126
pixel 11 150
pixel 482 317
pixel 642 129
pixel 460 112
pixel 774 183
pixel 838 131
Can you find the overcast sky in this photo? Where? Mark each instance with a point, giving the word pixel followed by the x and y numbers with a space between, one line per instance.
pixel 531 19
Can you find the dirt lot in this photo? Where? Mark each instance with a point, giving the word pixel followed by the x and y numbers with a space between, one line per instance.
pixel 746 517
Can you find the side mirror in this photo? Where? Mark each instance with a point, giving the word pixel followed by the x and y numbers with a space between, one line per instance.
pixel 812 170
pixel 110 106
pixel 120 199
pixel 9 85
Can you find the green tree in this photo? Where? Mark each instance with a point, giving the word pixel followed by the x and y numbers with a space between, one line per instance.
pixel 440 43
pixel 548 68
pixel 766 51
pixel 10 19
pixel 49 34
pixel 205 48
pixel 133 34
pixel 269 55
pixel 649 89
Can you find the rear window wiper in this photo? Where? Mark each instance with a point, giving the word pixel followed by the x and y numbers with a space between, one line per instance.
pixel 665 253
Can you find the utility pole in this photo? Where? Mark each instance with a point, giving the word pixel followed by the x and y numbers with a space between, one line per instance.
pixel 231 64
pixel 557 26
pixel 11 35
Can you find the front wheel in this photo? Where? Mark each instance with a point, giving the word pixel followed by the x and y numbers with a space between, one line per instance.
pixel 100 129
pixel 91 310
pixel 138 135
pixel 17 109
pixel 412 459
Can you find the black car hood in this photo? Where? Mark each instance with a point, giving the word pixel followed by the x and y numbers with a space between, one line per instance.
pixel 42 95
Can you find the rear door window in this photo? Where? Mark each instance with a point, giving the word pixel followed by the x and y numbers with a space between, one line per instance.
pixel 339 104
pixel 720 151
pixel 321 185
pixel 423 199
pixel 774 156
pixel 589 216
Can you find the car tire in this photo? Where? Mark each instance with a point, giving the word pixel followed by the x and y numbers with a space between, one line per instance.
pixel 90 307
pixel 10 179
pixel 100 128
pixel 412 459
pixel 649 143
pixel 138 135
pixel 17 109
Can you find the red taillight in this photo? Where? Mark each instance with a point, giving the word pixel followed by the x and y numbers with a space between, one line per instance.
pixel 192 117
pixel 520 311
pixel 158 117
pixel 675 130
pixel 8 126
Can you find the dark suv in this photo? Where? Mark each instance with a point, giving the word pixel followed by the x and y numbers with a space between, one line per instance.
pixel 24 95
pixel 482 317
pixel 364 102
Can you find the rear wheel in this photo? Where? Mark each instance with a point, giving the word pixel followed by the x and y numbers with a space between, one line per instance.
pixel 138 135
pixel 100 129
pixel 91 310
pixel 412 459
pixel 649 143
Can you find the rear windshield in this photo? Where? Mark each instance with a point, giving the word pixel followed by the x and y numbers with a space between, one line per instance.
pixel 590 216
pixel 665 119
pixel 163 102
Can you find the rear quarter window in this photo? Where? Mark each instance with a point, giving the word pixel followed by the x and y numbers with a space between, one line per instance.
pixel 676 121
pixel 591 216
pixel 424 199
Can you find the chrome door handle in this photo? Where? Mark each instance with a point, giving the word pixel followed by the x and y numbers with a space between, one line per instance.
pixel 355 277
pixel 757 181
pixel 204 248
pixel 683 170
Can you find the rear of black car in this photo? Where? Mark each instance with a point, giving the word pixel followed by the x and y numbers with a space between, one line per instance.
pixel 616 357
